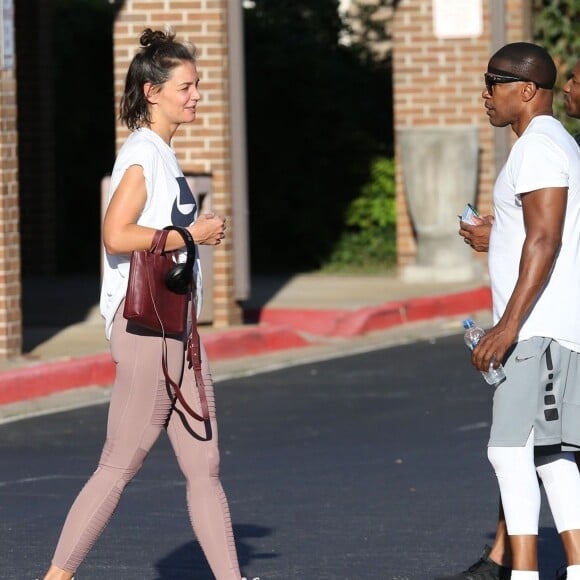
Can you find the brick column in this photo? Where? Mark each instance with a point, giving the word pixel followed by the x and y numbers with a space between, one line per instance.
pixel 203 147
pixel 10 289
pixel 438 82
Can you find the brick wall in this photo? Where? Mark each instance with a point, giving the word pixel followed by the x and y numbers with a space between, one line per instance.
pixel 438 82
pixel 203 147
pixel 10 306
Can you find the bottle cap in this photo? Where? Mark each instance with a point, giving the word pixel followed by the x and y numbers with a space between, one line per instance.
pixel 468 323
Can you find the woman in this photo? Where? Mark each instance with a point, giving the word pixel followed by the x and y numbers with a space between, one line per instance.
pixel 149 192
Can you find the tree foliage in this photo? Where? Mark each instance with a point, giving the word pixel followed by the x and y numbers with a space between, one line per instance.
pixel 318 113
pixel 368 242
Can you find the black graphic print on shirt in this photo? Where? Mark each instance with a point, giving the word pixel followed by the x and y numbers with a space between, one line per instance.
pixel 184 205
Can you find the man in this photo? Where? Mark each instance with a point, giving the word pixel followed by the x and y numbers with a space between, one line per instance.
pixel 496 561
pixel 534 267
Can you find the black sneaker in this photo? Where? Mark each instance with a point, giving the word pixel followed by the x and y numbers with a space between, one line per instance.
pixel 483 569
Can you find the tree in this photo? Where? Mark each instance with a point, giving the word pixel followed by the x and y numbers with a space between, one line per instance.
pixel 318 113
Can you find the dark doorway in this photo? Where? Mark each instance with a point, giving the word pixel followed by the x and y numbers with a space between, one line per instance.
pixel 66 125
pixel 84 114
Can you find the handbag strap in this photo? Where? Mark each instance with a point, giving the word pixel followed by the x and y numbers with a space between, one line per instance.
pixel 159 241
pixel 194 360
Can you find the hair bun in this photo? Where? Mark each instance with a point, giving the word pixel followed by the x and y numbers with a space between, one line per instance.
pixel 151 37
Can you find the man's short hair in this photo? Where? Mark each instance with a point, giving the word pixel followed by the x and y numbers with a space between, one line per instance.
pixel 525 60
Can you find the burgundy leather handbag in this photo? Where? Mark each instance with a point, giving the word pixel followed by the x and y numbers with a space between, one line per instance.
pixel 149 302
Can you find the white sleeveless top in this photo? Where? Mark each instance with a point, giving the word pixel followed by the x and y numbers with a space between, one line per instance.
pixel 169 202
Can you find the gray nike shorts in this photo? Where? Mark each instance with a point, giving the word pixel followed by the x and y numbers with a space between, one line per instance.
pixel 541 390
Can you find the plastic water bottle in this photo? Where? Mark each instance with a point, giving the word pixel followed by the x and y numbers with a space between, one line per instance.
pixel 471 337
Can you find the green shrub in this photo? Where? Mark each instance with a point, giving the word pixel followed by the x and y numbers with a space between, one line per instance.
pixel 368 242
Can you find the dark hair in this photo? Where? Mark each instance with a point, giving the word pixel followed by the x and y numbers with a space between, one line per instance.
pixel 159 55
pixel 528 61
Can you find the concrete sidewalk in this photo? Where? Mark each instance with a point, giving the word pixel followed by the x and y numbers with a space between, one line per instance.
pixel 65 347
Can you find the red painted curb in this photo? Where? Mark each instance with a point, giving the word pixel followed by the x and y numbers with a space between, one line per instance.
pixel 348 323
pixel 320 322
pixel 251 341
pixel 279 329
pixel 44 379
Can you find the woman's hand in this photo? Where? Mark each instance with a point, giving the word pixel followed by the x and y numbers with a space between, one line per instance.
pixel 208 229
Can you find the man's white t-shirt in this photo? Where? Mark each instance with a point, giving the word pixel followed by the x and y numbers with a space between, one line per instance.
pixel 544 156
pixel 169 202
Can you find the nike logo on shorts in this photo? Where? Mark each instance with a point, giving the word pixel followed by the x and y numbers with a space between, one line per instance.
pixel 523 358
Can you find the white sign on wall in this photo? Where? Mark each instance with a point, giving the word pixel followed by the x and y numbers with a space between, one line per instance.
pixel 457 18
pixel 7 31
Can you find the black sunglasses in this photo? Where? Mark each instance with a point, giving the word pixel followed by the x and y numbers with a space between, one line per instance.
pixel 493 79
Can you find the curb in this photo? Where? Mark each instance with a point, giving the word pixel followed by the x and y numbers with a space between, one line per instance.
pixel 277 329
pixel 349 323
pixel 39 380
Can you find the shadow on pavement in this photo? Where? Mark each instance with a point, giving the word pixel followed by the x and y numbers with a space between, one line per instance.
pixel 550 551
pixel 59 300
pixel 50 304
pixel 263 289
pixel 188 561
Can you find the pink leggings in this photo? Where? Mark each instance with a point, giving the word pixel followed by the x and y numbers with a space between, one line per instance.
pixel 139 410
